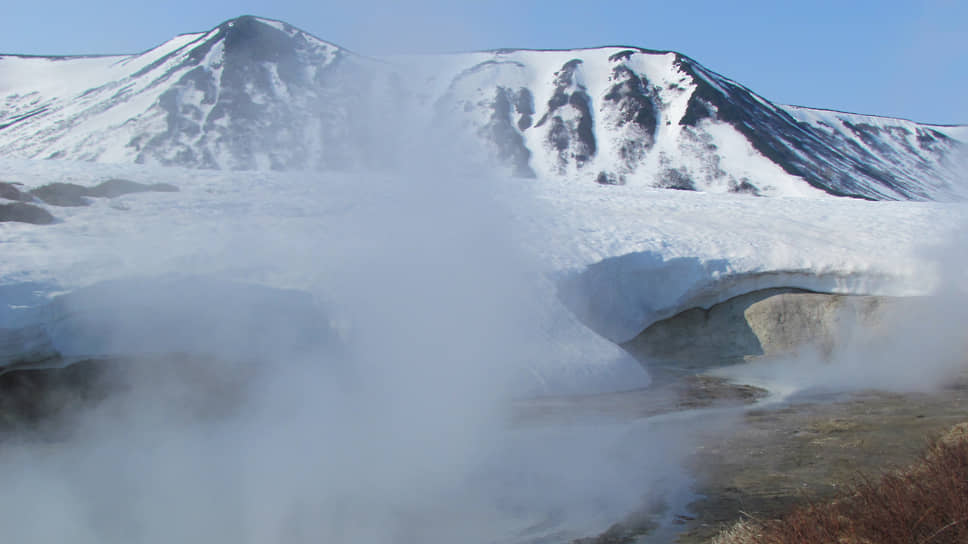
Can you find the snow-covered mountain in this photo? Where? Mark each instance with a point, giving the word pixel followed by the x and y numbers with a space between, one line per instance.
pixel 235 97
pixel 257 94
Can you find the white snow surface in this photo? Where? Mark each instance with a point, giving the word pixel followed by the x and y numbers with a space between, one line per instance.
pixel 638 254
pixel 471 78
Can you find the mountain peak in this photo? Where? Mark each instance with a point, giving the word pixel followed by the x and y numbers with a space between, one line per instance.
pixel 248 18
pixel 261 39
pixel 272 36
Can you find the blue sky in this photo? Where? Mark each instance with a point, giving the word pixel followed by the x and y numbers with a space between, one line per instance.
pixel 891 57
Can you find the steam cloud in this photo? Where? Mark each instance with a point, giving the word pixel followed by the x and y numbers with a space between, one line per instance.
pixel 370 405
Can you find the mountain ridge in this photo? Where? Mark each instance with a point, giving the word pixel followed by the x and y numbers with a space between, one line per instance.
pixel 257 93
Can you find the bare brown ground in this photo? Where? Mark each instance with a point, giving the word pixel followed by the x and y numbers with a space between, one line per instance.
pixel 801 454
pixel 925 503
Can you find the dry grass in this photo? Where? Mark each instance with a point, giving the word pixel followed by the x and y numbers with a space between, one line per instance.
pixel 926 504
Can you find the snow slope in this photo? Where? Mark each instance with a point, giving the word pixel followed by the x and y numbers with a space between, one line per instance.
pixel 257 94
pixel 621 257
pixel 188 101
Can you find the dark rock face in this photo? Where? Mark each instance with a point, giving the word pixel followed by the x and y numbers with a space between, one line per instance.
pixel 62 194
pixel 608 178
pixel 505 133
pixel 630 105
pixel 569 115
pixel 743 186
pixel 767 322
pixel 508 112
pixel 525 108
pixel 610 138
pixel 30 397
pixel 70 194
pixel 261 97
pixel 118 187
pixel 21 212
pixel 10 191
pixel 828 158
pixel 677 178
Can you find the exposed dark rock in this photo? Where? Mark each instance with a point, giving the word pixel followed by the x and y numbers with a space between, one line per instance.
pixel 631 97
pixel 25 213
pixel 827 159
pixel 586 147
pixel 117 187
pixel 609 178
pixel 621 55
pixel 629 106
pixel 743 186
pixel 262 105
pixel 761 323
pixel 677 178
pixel 62 194
pixel 573 139
pixel 525 108
pixel 501 131
pixel 10 191
pixel 30 398
pixel 41 403
pixel 70 194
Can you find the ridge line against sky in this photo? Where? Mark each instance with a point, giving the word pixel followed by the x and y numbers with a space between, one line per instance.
pixel 906 59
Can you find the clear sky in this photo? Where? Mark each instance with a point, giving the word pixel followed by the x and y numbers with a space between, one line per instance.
pixel 905 58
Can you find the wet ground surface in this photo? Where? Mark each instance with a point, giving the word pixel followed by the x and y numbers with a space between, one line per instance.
pixel 687 393
pixel 750 456
pixel 789 454
pixel 758 458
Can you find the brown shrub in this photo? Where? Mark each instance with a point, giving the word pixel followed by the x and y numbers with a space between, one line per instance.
pixel 926 504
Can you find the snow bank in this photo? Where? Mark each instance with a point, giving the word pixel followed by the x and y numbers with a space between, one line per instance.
pixel 621 296
pixel 627 258
pixel 622 257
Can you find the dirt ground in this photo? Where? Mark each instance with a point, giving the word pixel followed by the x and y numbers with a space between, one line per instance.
pixel 787 455
pixel 773 457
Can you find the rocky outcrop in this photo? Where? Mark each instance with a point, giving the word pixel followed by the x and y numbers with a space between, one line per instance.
pixel 71 194
pixel 118 187
pixel 62 194
pixel 767 322
pixel 21 212
pixel 11 191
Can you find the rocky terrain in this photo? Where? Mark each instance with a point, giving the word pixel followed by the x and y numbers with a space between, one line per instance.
pixel 21 206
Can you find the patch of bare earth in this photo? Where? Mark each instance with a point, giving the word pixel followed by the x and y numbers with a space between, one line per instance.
pixel 837 470
pixel 927 502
